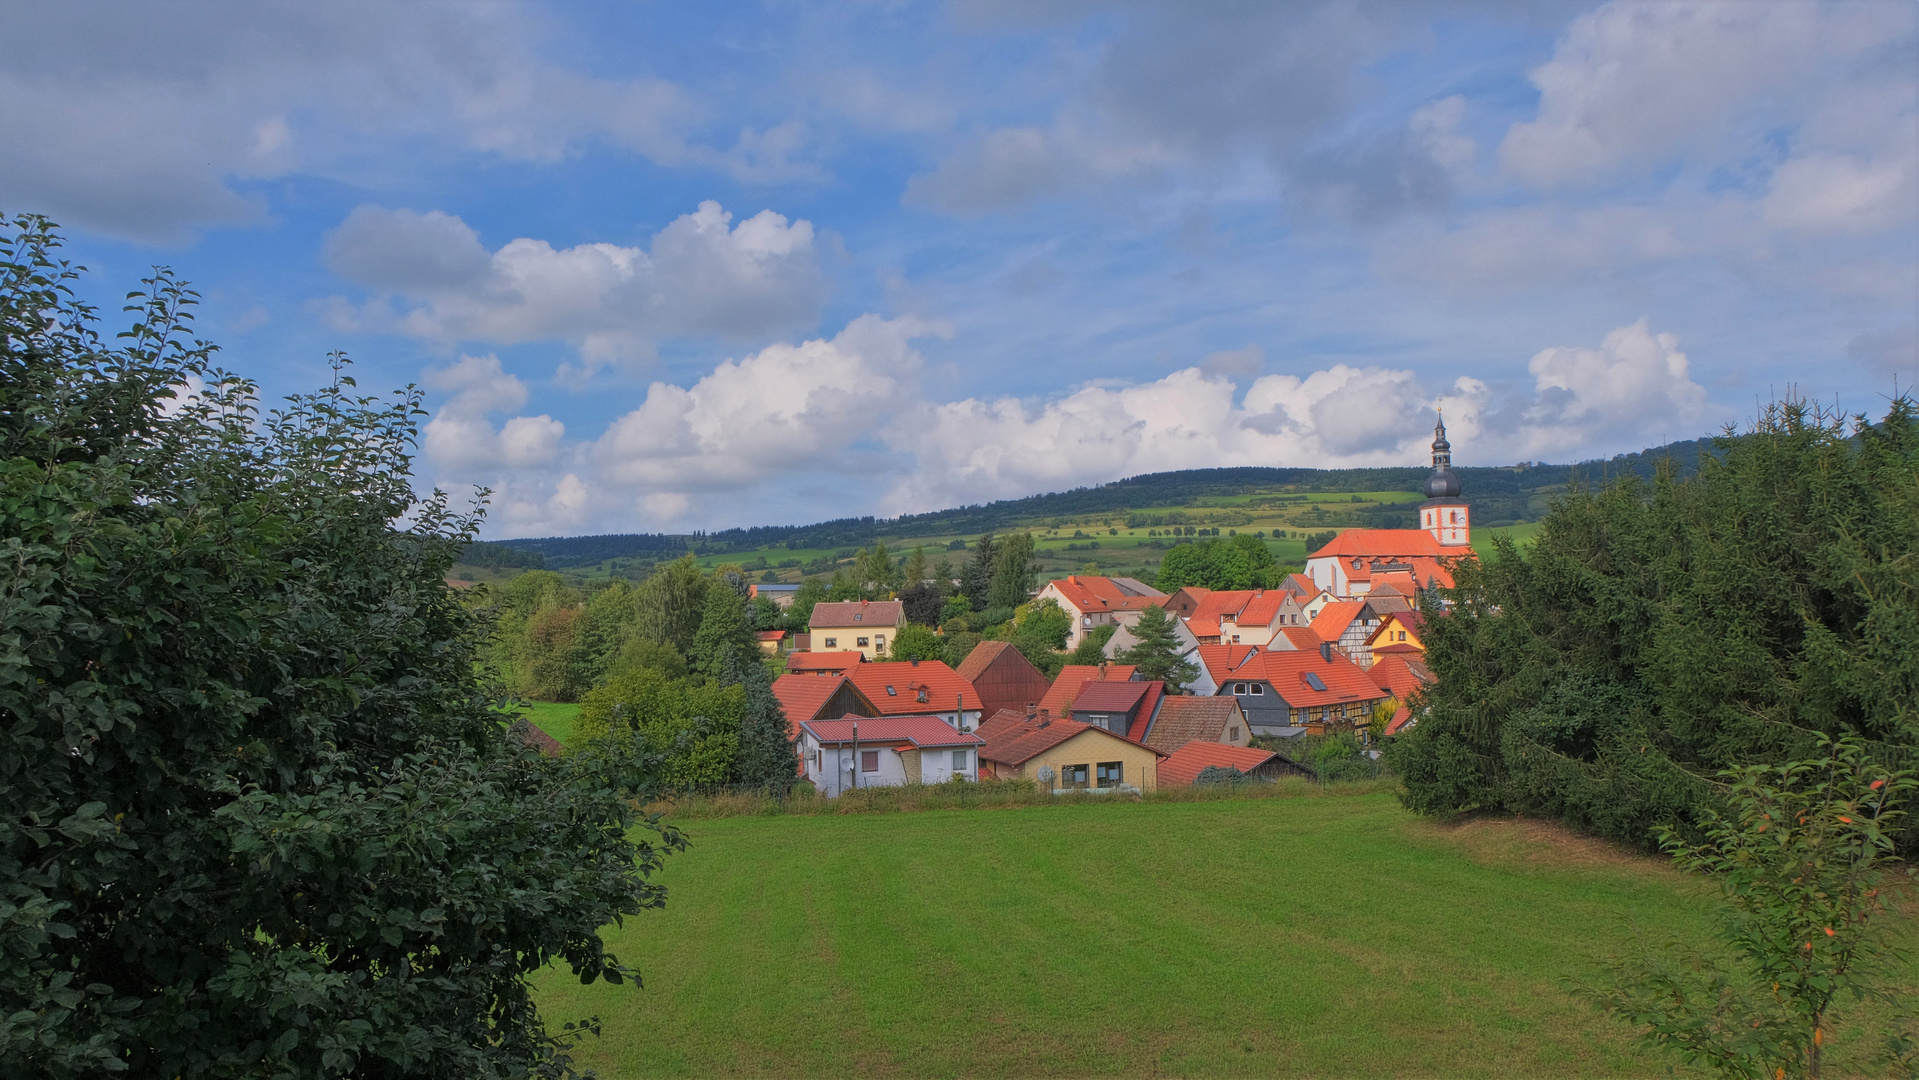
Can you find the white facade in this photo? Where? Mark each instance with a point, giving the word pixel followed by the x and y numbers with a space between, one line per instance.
pixel 1449 522
pixel 834 768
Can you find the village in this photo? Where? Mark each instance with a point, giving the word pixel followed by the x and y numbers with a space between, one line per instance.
pixel 1324 652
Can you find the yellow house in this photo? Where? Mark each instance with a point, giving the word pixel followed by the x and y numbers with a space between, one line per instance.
pixel 868 627
pixel 1064 755
pixel 1399 628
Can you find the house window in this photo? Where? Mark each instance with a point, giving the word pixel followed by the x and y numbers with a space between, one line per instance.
pixel 1232 733
pixel 1402 635
pixel 861 642
pixel 857 617
pixel 959 762
pixel 890 692
pixel 1235 639
pixel 1072 776
pixel 1239 688
pixel 1258 689
pixel 879 641
pixel 1111 773
pixel 832 641
pixel 921 696
pixel 869 761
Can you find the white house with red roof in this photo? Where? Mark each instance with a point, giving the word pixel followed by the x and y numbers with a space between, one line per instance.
pixel 1411 559
pixel 1099 601
pixel 885 751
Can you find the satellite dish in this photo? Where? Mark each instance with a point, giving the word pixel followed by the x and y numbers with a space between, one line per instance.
pixel 1045 772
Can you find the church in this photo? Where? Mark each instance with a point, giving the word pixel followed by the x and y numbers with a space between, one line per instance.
pixel 1361 560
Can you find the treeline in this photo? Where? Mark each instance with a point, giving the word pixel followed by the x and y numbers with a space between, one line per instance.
pixel 1500 496
pixel 1659 631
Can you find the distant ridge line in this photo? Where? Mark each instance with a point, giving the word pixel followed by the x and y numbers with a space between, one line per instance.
pixel 1497 492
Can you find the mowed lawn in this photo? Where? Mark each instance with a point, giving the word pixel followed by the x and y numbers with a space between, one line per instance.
pixel 1306 936
pixel 554 718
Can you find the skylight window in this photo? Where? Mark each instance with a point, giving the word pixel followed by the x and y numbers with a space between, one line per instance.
pixel 890 692
pixel 1312 679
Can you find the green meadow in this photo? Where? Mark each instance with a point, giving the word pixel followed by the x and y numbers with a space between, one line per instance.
pixel 553 717
pixel 1318 935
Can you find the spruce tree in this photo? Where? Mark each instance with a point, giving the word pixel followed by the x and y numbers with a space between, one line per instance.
pixel 977 580
pixel 769 755
pixel 1157 656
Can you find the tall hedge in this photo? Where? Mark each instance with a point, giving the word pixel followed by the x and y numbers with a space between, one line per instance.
pixel 1658 632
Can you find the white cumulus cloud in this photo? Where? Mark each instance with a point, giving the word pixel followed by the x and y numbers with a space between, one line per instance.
pixel 704 275
pixel 832 426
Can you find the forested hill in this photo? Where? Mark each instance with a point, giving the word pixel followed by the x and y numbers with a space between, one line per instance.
pixel 1502 495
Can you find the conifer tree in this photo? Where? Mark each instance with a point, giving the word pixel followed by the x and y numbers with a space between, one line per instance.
pixel 1157 656
pixel 977 580
pixel 769 758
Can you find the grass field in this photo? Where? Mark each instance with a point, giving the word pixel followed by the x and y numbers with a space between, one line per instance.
pixel 552 717
pixel 1310 936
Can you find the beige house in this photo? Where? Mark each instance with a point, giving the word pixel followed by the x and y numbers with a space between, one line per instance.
pixel 867 627
pixel 1065 755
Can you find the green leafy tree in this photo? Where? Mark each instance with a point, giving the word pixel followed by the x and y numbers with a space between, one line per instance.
pixel 1803 854
pixel 1657 633
pixel 800 614
pixel 263 816
pixel 671 602
pixel 960 645
pixel 916 642
pixel 693 725
pixel 1157 655
pixel 1092 646
pixel 1013 572
pixel 725 637
pixel 1182 565
pixel 923 604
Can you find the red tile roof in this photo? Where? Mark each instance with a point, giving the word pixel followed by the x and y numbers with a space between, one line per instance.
pixel 1301 585
pixel 1090 594
pixel 802 697
pixel 906 680
pixel 1382 543
pixel 857 614
pixel 1287 671
pixel 823 661
pixel 1184 765
pixel 1011 739
pixel 1059 700
pixel 1263 608
pixel 1400 674
pixel 922 731
pixel 1204 621
pixel 982 657
pixel 1335 617
pixel 1300 637
pixel 1184 719
pixel 770 635
pixel 1108 696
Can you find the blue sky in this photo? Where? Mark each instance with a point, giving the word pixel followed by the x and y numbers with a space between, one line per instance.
pixel 665 266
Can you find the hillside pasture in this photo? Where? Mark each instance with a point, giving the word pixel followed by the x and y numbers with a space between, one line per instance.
pixel 1320 935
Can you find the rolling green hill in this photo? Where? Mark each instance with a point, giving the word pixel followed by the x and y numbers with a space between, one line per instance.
pixel 1114 528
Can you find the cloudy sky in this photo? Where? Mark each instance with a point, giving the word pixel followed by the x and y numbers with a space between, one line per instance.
pixel 670 265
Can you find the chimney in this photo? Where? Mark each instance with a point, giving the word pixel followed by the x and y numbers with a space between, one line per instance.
pixel 1102 671
pixel 1326 651
pixel 915 663
pixel 1031 712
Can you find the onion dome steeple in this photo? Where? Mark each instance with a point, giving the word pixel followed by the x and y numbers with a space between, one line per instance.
pixel 1443 483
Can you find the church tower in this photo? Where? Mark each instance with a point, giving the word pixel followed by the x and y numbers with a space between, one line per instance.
pixel 1443 513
